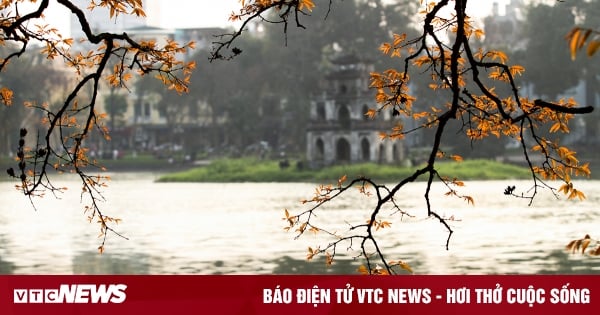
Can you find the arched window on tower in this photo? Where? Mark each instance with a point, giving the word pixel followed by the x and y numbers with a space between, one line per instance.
pixel 344 117
pixel 321 111
pixel 365 148
pixel 342 150
pixel 320 150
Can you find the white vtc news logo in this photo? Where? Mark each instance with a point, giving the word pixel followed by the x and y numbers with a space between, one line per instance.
pixel 73 293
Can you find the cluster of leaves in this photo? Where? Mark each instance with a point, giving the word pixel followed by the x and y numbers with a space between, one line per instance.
pixel 361 233
pixel 587 242
pixel 578 37
pixel 444 52
pixel 257 9
pixel 60 145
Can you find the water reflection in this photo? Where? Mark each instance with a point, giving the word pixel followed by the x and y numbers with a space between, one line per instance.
pixel 561 262
pixel 6 267
pixel 290 265
pixel 237 229
pixel 89 262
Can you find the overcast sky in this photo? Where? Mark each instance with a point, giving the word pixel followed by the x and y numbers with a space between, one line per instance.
pixel 196 13
pixel 202 13
pixel 211 13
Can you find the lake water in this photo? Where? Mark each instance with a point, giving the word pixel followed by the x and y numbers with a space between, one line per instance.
pixel 237 228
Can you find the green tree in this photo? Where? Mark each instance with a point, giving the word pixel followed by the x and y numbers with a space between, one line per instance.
pixel 555 73
pixel 32 80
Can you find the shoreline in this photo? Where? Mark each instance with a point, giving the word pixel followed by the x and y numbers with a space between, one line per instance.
pixel 225 170
pixel 250 170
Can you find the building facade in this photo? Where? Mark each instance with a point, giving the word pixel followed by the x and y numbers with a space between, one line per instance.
pixel 339 131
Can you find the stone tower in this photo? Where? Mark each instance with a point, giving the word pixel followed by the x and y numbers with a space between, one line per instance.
pixel 339 131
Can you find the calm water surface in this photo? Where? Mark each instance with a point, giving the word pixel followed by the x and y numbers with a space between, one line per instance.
pixel 206 228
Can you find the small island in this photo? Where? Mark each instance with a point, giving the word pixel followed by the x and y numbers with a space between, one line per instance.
pixel 256 170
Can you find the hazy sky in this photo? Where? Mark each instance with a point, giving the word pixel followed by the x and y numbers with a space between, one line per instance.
pixel 211 13
pixel 195 13
pixel 190 13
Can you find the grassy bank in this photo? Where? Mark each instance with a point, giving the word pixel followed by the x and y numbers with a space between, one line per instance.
pixel 127 163
pixel 249 170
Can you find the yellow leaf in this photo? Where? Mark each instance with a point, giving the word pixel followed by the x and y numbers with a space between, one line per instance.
pixel 363 270
pixel 311 253
pixel 584 245
pixel 579 194
pixel 571 246
pixel 398 39
pixel 566 188
pixel 583 38
pixel 385 48
pixel 456 158
pixel 555 127
pixel 342 180
pixel 301 228
pixel 371 113
pixel 516 70
pixel 593 47
pixel 308 4
pixel 479 33
pixel 405 266
pixel 573 40
pixel 138 11
pixel 328 259
pixel 470 200
pixel 497 54
pixel 458 183
pixel 6 95
pixel 384 224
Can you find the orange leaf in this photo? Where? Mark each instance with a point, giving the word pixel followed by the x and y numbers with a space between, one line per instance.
pixel 456 158
pixel 363 270
pixel 371 113
pixel 593 47
pixel 342 180
pixel 308 4
pixel 470 200
pixel 405 266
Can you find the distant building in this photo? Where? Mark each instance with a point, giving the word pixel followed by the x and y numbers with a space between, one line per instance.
pixel 339 131
pixel 147 124
pixel 502 31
